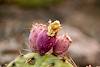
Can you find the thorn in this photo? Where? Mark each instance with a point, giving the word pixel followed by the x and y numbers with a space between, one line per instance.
pixel 49 21
pixel 20 52
pixel 68 37
pixel 71 59
pixel 33 25
pixel 41 24
pixel 36 24
pixel 27 50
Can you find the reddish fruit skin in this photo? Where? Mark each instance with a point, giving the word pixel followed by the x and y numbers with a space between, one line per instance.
pixel 45 42
pixel 36 29
pixel 61 46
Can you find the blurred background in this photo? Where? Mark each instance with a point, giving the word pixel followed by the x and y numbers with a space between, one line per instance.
pixel 80 19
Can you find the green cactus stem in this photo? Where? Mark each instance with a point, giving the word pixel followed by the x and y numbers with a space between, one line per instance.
pixel 35 60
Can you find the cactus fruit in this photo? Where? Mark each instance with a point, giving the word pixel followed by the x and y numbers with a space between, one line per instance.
pixel 36 29
pixel 61 45
pixel 35 60
pixel 45 42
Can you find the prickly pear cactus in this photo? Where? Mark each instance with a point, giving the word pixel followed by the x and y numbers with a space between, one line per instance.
pixel 35 60
pixel 49 49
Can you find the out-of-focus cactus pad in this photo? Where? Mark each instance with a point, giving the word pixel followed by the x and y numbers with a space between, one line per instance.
pixel 33 3
pixel 35 60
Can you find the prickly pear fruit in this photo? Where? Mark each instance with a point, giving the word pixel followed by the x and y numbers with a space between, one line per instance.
pixel 35 60
pixel 61 45
pixel 45 42
pixel 36 29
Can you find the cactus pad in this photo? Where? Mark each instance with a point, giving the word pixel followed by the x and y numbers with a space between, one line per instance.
pixel 35 60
